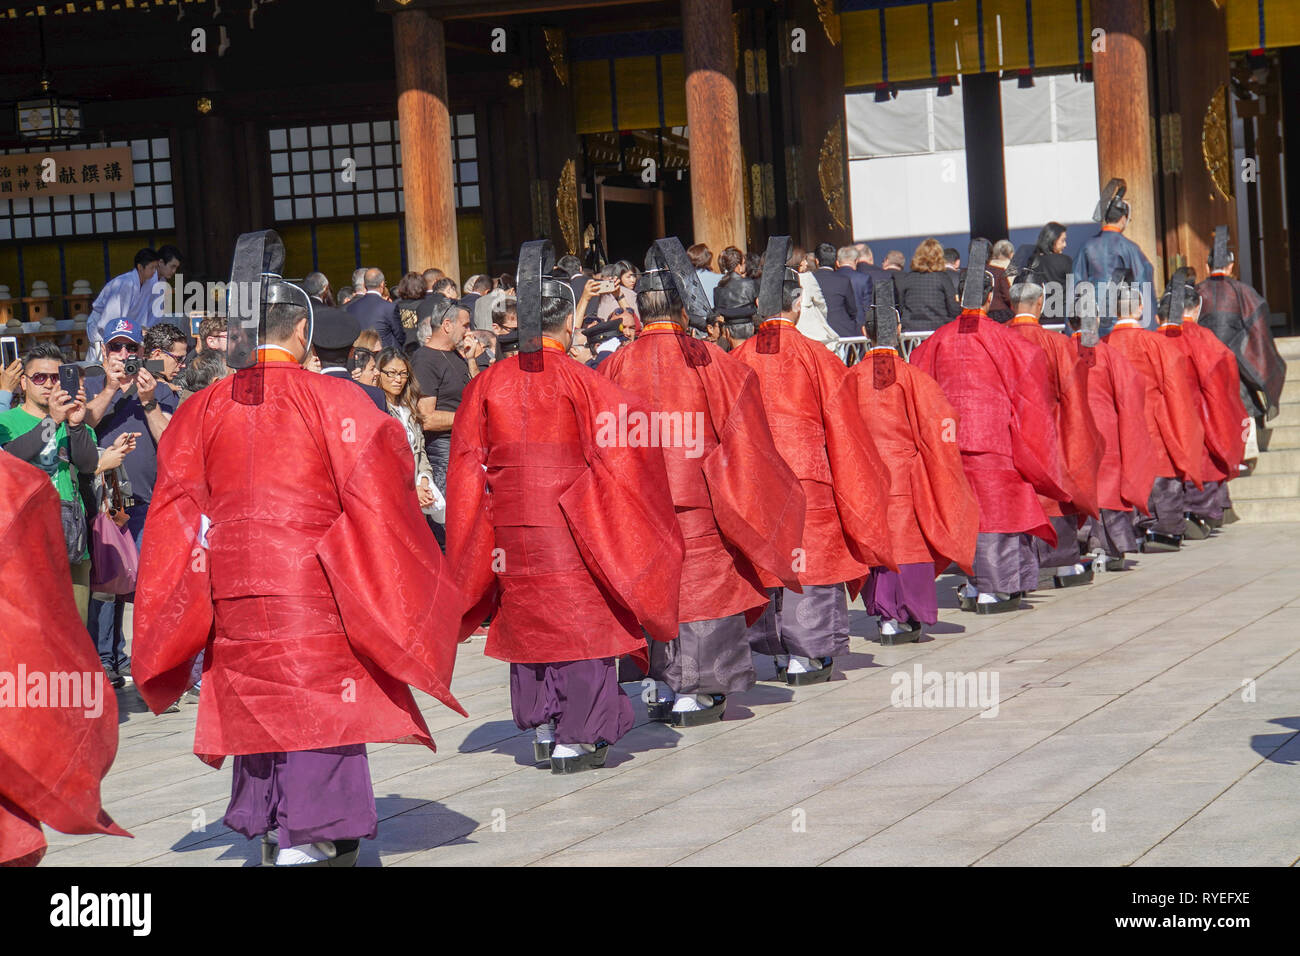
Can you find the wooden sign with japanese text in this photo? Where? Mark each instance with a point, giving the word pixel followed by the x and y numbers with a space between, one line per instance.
pixel 65 172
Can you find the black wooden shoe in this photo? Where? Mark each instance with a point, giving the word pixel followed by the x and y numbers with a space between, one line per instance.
pixel 584 761
pixel 542 751
pixel 818 676
pixel 1195 529
pixel 1012 603
pixel 909 635
pixel 1157 543
pixel 694 718
pixel 1072 580
pixel 660 711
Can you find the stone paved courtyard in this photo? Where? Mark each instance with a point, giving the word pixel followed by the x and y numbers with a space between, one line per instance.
pixel 1127 732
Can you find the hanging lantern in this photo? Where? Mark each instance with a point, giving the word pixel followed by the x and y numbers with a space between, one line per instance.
pixel 47 115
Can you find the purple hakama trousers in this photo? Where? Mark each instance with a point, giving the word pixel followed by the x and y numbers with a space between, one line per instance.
pixel 1167 507
pixel 309 795
pixel 814 624
pixel 1112 533
pixel 907 594
pixel 708 657
pixel 582 697
pixel 1005 562
pixel 1208 502
pixel 1066 552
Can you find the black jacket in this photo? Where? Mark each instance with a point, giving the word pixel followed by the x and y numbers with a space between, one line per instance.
pixel 372 311
pixel 375 393
pixel 841 302
pixel 926 300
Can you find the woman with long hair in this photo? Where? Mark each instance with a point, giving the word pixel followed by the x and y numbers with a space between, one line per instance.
pixel 362 363
pixel 927 298
pixel 621 303
pixel 1051 265
pixel 403 394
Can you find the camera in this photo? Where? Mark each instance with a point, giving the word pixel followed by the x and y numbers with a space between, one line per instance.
pixel 130 366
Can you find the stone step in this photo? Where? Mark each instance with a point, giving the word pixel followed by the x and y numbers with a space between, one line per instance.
pixel 1281 439
pixel 1257 486
pixel 1288 415
pixel 1261 510
pixel 1291 390
pixel 1278 462
pixel 1289 347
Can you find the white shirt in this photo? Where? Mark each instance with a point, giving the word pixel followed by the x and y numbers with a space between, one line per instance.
pixel 123 297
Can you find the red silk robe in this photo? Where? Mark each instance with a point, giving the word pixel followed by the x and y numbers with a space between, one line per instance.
pixel 933 514
pixel 1080 441
pixel 819 432
pixel 321 593
pixel 1223 416
pixel 739 505
pixel 1128 460
pixel 567 535
pixel 999 385
pixel 52 758
pixel 1172 416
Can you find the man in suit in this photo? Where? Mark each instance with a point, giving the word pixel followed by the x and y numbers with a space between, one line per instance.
pixel 867 263
pixel 374 306
pixel 841 298
pixel 333 332
pixel 846 260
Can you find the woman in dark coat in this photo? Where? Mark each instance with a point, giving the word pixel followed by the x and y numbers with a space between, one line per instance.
pixel 925 295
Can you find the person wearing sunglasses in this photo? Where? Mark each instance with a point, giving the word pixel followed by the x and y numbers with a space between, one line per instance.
pixel 49 430
pixel 403 396
pixel 140 403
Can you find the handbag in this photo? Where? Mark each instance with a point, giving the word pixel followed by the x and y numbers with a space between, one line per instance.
pixel 115 560
pixel 73 519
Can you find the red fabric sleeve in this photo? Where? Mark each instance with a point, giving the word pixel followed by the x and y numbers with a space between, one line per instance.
pixel 1181 428
pixel 394 590
pixel 1137 456
pixel 470 535
pixel 56 748
pixel 173 598
pixel 756 497
pixel 946 507
pixel 635 551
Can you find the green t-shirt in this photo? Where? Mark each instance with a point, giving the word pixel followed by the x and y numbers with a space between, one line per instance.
pixel 54 460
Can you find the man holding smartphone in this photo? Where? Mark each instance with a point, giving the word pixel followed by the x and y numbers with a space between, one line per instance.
pixel 49 430
pixel 129 398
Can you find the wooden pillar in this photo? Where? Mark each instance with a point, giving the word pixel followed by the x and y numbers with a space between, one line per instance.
pixel 428 182
pixel 1194 138
pixel 712 112
pixel 1124 115
pixel 986 172
pixel 657 219
pixel 814 128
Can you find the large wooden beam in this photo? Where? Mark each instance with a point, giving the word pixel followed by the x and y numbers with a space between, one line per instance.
pixel 1124 114
pixel 712 111
pixel 428 180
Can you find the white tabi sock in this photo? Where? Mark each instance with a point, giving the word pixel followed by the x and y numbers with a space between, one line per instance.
pixel 572 750
pixel 690 702
pixel 996 597
pixel 969 591
pixel 803 665
pixel 307 853
pixel 545 732
pixel 890 627
pixel 1067 572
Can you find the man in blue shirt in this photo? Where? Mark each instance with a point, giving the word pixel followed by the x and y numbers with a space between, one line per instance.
pixel 127 403
pixel 1110 249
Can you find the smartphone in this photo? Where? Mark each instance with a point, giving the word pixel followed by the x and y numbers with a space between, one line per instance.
pixel 154 367
pixel 8 351
pixel 70 380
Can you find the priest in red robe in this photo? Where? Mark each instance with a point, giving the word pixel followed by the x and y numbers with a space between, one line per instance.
pixel 933 514
pixel 1223 416
pixel 1000 386
pixel 539 445
pixel 286 543
pixel 1081 446
pixel 1127 468
pixel 1172 417
pixel 819 432
pixel 58 714
pixel 739 506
